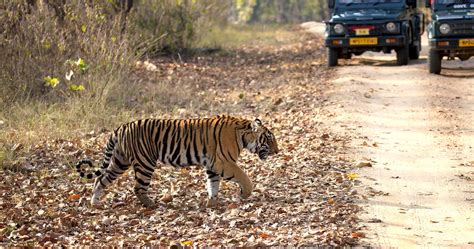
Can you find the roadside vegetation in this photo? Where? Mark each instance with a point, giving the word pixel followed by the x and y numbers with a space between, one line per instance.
pixel 68 82
pixel 63 76
pixel 69 73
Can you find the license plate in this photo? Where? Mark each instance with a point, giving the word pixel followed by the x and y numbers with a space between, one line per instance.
pixel 362 31
pixel 466 43
pixel 363 41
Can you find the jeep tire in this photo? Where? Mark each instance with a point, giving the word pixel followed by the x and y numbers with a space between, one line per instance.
pixel 414 52
pixel 434 61
pixel 346 56
pixel 333 56
pixel 403 54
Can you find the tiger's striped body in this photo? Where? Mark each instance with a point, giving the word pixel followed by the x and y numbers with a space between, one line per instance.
pixel 214 143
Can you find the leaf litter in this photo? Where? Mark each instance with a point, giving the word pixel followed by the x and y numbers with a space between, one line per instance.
pixel 302 197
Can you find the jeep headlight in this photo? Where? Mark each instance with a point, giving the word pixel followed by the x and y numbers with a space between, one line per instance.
pixel 444 28
pixel 391 27
pixel 339 29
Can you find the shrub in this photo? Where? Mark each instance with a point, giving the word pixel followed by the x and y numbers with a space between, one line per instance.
pixel 173 25
pixel 62 75
pixel 87 50
pixel 82 55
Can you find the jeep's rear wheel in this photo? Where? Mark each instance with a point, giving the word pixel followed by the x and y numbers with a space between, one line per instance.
pixel 403 55
pixel 414 52
pixel 333 56
pixel 346 56
pixel 464 57
pixel 434 61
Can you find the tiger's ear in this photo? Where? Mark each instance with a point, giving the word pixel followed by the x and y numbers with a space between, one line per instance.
pixel 256 124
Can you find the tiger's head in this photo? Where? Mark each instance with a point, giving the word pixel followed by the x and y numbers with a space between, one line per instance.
pixel 261 140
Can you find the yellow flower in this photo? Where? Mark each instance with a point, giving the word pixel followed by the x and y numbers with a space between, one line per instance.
pixel 352 176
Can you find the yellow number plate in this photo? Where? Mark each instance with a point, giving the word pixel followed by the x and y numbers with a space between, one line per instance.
pixel 363 41
pixel 362 31
pixel 466 43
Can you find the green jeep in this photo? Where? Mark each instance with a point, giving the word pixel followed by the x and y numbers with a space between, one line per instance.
pixel 450 32
pixel 357 26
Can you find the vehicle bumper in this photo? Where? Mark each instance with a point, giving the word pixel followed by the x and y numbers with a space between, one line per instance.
pixel 451 44
pixel 382 41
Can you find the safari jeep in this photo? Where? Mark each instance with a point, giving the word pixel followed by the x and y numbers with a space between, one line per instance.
pixel 450 32
pixel 357 26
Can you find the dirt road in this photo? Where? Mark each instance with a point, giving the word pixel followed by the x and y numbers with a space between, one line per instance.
pixel 417 131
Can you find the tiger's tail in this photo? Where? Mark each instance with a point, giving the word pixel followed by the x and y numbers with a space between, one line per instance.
pixel 108 155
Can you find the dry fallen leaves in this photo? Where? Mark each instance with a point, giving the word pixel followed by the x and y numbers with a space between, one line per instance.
pixel 363 164
pixel 358 235
pixel 232 206
pixel 187 243
pixel 74 197
pixel 167 198
pixel 264 235
pixel 303 196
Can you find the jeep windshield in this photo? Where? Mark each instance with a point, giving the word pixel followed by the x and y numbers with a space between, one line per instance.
pixel 368 3
pixel 454 4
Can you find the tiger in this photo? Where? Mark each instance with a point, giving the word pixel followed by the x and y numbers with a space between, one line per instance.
pixel 214 143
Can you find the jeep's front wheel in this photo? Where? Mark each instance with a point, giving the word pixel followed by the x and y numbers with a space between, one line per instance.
pixel 333 56
pixel 434 61
pixel 414 52
pixel 403 54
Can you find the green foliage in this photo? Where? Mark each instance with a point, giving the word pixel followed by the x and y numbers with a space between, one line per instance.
pixel 79 63
pixel 279 11
pixel 231 37
pixel 245 9
pixel 77 88
pixel 51 81
pixel 172 24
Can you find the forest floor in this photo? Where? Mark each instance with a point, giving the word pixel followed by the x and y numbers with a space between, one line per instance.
pixel 304 196
pixel 371 154
pixel 418 134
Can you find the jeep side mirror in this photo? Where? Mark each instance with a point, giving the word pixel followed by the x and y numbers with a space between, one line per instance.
pixel 331 4
pixel 411 3
pixel 428 3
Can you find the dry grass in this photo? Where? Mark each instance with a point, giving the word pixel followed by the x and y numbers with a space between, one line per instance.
pixel 27 126
pixel 173 25
pixel 38 45
pixel 40 100
pixel 231 37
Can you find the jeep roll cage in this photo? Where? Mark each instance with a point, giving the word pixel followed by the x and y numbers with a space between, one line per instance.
pixel 369 3
pixel 447 4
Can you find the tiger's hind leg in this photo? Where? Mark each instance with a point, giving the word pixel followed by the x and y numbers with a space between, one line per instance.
pixel 118 165
pixel 143 176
